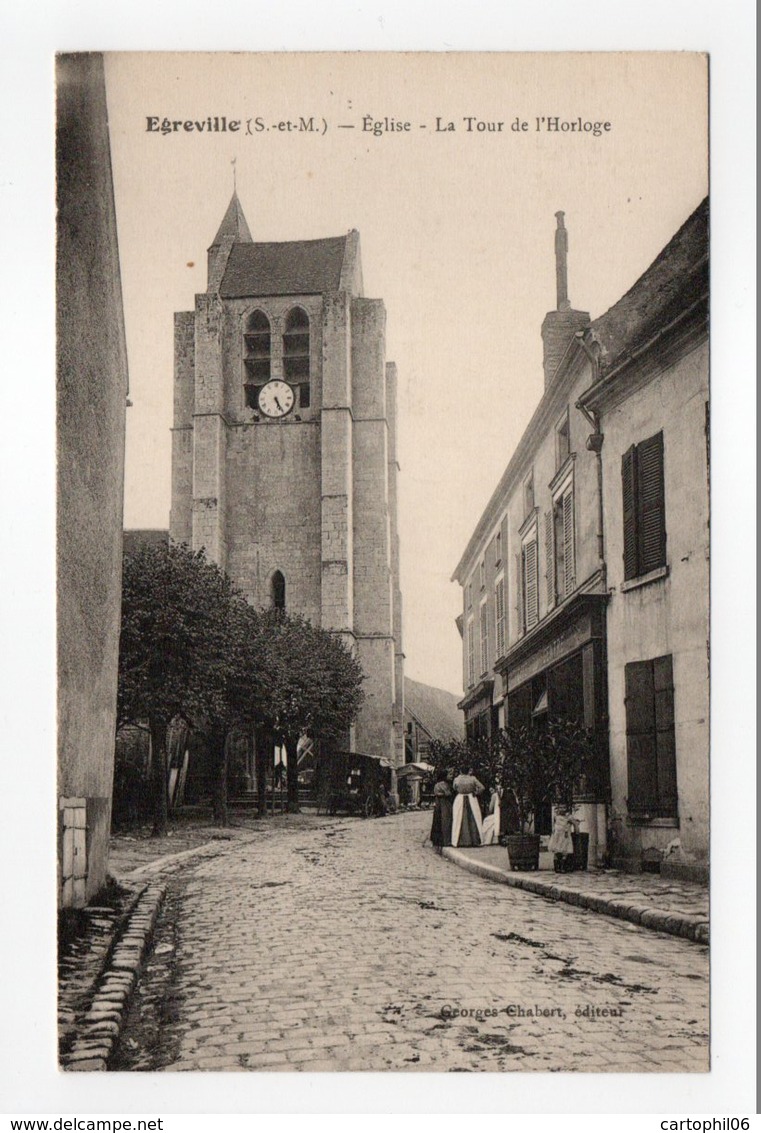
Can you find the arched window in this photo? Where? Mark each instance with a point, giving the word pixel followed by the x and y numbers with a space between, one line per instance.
pixel 257 348
pixel 278 591
pixel 296 353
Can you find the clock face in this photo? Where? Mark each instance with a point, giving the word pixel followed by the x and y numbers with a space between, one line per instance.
pixel 276 399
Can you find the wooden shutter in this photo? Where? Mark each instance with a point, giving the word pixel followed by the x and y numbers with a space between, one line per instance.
pixel 629 494
pixel 520 601
pixel 549 555
pixel 499 601
pixel 640 737
pixel 651 550
pixel 569 559
pixel 665 746
pixel 531 564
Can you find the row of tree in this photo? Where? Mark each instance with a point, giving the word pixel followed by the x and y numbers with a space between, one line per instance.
pixel 192 648
pixel 558 764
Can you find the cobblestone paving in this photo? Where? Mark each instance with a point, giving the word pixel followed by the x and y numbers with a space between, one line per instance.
pixel 350 946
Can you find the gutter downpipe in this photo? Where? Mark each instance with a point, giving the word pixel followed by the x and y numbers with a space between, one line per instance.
pixel 594 444
pixel 599 816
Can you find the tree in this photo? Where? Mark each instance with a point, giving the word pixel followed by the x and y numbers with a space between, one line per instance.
pixel 314 686
pixel 548 766
pixel 174 651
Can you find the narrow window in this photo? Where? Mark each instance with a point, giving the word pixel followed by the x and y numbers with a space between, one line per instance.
pixel 278 591
pixel 530 583
pixel 643 507
pixel 498 548
pixel 562 441
pixel 650 738
pixel 564 565
pixel 499 606
pixel 296 354
pixel 257 356
pixel 528 494
pixel 484 627
pixel 482 574
pixel 471 654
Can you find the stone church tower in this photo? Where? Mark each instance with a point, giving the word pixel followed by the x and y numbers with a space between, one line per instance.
pixel 284 448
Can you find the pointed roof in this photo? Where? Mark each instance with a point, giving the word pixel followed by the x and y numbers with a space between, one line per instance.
pixel 233 224
pixel 298 267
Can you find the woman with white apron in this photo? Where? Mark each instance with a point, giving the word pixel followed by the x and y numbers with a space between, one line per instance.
pixel 467 828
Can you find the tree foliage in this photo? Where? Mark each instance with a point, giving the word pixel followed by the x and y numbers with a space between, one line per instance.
pixel 553 765
pixel 314 686
pixel 192 647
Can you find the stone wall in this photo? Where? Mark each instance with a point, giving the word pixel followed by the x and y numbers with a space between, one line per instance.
pixel 91 405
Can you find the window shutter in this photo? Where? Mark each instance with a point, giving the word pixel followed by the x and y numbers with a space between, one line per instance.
pixel 643 786
pixel 568 543
pixel 499 601
pixel 549 543
pixel 651 551
pixel 520 599
pixel 640 737
pixel 665 746
pixel 629 493
pixel 532 584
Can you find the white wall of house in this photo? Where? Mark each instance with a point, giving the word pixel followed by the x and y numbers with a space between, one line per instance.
pixel 667 615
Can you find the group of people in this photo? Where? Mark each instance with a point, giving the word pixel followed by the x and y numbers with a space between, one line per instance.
pixel 457 816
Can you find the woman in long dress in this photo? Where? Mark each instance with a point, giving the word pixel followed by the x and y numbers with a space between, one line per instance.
pixel 441 827
pixel 467 828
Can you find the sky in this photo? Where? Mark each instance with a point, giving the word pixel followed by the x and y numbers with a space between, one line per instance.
pixel 457 236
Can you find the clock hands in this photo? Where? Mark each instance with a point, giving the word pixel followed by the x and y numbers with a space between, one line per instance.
pixel 277 403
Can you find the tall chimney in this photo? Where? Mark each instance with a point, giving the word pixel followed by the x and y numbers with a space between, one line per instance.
pixel 561 262
pixel 560 325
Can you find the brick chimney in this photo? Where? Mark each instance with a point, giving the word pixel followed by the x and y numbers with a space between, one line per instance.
pixel 560 325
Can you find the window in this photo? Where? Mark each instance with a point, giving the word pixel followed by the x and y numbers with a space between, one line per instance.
pixel 484 628
pixel 560 547
pixel 644 507
pixel 498 548
pixel 257 357
pixel 499 607
pixel 469 595
pixel 528 493
pixel 296 354
pixel 650 742
pixel 278 591
pixel 529 582
pixel 471 654
pixel 482 574
pixel 562 441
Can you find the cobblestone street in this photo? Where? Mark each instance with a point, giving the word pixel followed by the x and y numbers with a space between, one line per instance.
pixel 348 945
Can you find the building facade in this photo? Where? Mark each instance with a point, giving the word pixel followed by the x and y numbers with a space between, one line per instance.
pixel 533 620
pixel 650 396
pixel 90 423
pixel 576 603
pixel 284 463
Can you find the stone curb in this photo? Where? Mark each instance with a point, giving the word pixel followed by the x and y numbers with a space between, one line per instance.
pixel 689 928
pixel 105 1018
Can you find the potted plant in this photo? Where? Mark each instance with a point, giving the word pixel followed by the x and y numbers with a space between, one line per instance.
pixel 538 767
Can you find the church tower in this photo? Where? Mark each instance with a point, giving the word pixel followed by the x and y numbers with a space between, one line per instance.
pixel 284 462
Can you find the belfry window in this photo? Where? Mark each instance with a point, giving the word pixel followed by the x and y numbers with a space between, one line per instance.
pixel 296 354
pixel 278 591
pixel 257 356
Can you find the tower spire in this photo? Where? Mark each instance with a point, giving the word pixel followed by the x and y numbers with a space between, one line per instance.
pixel 233 230
pixel 234 225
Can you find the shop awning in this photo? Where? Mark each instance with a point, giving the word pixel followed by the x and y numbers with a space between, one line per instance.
pixel 414 769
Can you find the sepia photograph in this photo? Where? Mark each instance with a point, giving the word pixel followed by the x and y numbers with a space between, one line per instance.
pixel 383 441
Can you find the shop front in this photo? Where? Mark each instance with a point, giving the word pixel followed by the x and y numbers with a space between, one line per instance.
pixel 557 671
